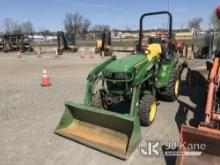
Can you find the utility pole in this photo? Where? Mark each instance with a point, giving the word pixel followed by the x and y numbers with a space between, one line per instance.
pixel 168 9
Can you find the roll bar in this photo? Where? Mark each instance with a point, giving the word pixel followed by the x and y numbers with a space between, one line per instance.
pixel 150 14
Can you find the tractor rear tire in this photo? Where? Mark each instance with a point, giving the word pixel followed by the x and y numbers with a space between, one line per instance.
pixel 147 110
pixel 171 91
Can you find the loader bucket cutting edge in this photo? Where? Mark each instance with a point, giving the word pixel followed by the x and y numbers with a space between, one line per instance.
pixel 202 135
pixel 106 131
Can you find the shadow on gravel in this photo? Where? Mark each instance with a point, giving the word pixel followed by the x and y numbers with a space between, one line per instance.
pixel 170 160
pixel 195 87
pixel 196 90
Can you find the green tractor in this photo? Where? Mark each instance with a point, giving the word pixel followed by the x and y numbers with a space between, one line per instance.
pixel 122 94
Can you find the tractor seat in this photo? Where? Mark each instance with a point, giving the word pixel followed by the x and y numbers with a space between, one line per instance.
pixel 154 51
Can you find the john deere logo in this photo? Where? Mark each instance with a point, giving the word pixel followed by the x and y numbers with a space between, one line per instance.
pixel 163 74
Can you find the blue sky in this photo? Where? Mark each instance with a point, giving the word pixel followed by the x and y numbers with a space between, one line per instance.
pixel 117 13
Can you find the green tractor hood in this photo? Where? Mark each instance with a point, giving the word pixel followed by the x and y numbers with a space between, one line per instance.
pixel 125 64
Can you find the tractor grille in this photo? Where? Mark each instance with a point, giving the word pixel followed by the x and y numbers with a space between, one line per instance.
pixel 118 81
pixel 116 86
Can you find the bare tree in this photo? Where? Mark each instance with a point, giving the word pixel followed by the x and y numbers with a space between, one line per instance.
pixel 85 27
pixel 17 28
pixel 68 24
pixel 27 28
pixel 100 28
pixel 12 27
pixel 215 21
pixel 73 22
pixel 8 25
pixel 195 24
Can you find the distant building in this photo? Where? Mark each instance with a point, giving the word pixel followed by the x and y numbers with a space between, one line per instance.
pixel 51 38
pixel 185 34
pixel 37 38
pixel 41 38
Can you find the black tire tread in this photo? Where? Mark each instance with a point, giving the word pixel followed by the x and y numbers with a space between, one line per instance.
pixel 144 109
pixel 168 93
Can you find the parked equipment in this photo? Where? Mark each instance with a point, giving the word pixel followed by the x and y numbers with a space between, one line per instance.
pixel 208 132
pixel 104 45
pixel 11 43
pixel 16 43
pixel 1 44
pixel 110 117
pixel 180 44
pixel 66 42
pixel 25 43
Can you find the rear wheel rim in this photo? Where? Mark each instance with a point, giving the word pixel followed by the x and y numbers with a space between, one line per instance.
pixel 177 84
pixel 153 110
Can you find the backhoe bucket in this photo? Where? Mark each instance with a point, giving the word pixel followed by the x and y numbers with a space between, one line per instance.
pixel 196 137
pixel 110 132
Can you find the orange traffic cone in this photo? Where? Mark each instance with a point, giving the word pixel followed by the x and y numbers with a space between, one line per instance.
pixel 19 54
pixel 45 79
pixel 102 54
pixel 91 54
pixel 81 54
pixel 38 53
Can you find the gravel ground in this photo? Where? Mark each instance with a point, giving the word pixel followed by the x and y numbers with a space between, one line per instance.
pixel 29 113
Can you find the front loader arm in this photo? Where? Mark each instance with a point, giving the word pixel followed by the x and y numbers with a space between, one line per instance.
pixel 145 72
pixel 143 75
pixel 92 75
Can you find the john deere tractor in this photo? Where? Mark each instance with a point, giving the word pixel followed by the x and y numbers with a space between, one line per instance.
pixel 121 95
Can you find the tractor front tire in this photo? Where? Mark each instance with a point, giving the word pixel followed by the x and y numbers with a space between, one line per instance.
pixel 147 110
pixel 171 91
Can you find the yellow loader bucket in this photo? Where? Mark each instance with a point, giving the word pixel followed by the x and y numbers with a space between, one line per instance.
pixel 110 132
pixel 197 136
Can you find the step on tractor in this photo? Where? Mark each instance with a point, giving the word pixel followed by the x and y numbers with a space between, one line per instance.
pixel 66 42
pixel 121 95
